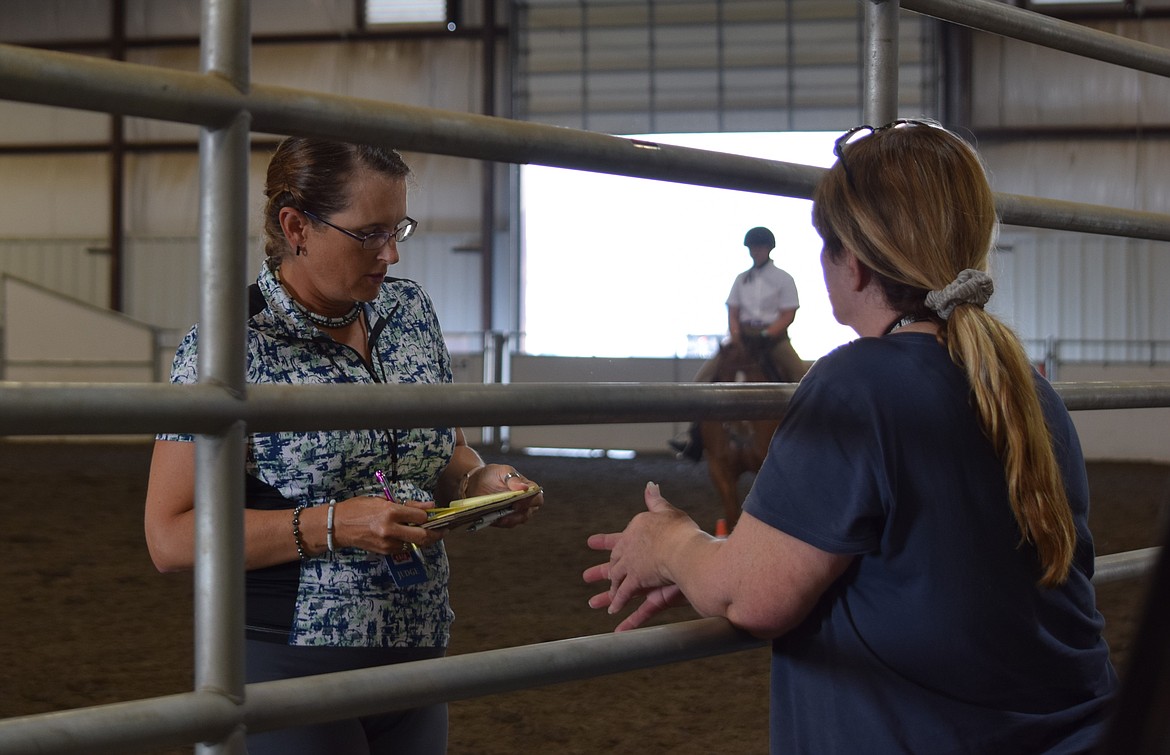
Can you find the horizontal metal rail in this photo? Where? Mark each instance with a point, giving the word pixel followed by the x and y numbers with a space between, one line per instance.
pixel 100 408
pixel 162 722
pixel 75 81
pixel 150 724
pixel 1046 31
pixel 1117 567
pixel 177 720
pixel 1062 215
pixel 1113 395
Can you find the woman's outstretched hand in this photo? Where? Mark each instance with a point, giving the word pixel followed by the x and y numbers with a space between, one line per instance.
pixel 636 565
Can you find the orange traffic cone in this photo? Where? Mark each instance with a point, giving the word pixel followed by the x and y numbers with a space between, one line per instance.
pixel 721 528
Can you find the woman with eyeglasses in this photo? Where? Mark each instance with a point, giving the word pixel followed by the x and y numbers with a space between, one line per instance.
pixel 916 544
pixel 339 575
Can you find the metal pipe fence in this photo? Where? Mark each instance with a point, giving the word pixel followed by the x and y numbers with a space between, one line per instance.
pixel 132 89
pixel 222 100
pixel 86 409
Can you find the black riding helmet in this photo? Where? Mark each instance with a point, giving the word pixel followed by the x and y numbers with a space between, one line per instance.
pixel 759 236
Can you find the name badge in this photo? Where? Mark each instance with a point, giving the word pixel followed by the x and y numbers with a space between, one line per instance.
pixel 406 568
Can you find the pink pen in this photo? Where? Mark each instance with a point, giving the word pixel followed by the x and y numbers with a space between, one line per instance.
pixel 385 486
pixel 390 497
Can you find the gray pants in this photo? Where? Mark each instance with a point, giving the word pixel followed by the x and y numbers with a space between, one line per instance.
pixel 417 731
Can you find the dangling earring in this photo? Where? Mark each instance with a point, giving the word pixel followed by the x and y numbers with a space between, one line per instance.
pixel 298 250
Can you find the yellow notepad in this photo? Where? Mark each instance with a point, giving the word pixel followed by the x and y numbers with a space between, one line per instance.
pixel 468 510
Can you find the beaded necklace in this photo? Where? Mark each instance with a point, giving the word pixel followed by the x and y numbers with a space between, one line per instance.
pixel 323 321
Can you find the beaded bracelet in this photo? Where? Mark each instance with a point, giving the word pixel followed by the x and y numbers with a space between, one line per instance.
pixel 329 526
pixel 297 530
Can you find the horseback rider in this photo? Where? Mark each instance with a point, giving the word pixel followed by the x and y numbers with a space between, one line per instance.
pixel 760 308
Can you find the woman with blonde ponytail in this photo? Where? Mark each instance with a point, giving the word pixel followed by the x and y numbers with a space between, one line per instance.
pixel 916 543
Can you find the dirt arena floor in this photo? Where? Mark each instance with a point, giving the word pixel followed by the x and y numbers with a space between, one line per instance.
pixel 86 620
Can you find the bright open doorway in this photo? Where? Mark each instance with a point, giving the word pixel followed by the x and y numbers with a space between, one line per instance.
pixel 623 267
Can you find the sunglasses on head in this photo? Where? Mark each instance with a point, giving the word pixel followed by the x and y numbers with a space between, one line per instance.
pixel 857 133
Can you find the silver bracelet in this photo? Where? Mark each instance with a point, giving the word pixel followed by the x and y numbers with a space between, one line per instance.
pixel 329 526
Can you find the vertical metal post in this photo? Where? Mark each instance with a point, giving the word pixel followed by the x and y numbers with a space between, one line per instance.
pixel 720 68
pixel 117 168
pixel 652 72
pixel 219 459
pixel 1051 357
pixel 495 344
pixel 584 64
pixel 490 435
pixel 487 223
pixel 880 68
pixel 790 64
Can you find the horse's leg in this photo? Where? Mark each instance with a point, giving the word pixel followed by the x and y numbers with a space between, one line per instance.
pixel 725 481
pixel 729 494
pixel 722 468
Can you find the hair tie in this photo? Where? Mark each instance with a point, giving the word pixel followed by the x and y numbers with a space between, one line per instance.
pixel 969 287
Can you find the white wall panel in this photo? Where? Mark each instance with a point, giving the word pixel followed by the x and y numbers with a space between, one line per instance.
pixel 1082 287
pixel 77 267
pixel 1150 172
pixel 162 281
pixel 50 337
pixel 181 18
pixel 1019 84
pixel 49 196
pixel 1128 173
pixel 25 124
pixel 28 21
pixel 162 194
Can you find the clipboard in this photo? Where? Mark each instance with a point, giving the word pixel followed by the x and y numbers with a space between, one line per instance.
pixel 469 510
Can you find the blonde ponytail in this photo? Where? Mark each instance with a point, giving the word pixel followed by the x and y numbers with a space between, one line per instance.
pixel 1002 385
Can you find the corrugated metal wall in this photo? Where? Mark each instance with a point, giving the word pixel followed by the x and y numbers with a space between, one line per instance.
pixel 1105 297
pixel 1068 128
pixel 665 66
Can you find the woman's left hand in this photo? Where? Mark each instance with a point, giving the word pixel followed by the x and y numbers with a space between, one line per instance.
pixel 636 566
pixel 497 478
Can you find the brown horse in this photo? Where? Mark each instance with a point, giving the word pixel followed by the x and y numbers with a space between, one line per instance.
pixel 737 447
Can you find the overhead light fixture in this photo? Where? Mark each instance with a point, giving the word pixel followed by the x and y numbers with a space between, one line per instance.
pixel 384 13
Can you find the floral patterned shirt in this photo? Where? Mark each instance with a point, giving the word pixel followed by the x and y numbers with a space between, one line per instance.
pixel 349 599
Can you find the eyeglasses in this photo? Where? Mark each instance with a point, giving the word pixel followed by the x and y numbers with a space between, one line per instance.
pixel 371 241
pixel 857 133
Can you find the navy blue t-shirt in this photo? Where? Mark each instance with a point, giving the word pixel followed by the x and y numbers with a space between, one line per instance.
pixel 937 639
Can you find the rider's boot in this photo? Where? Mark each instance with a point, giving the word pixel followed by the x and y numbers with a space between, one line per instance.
pixel 692 447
